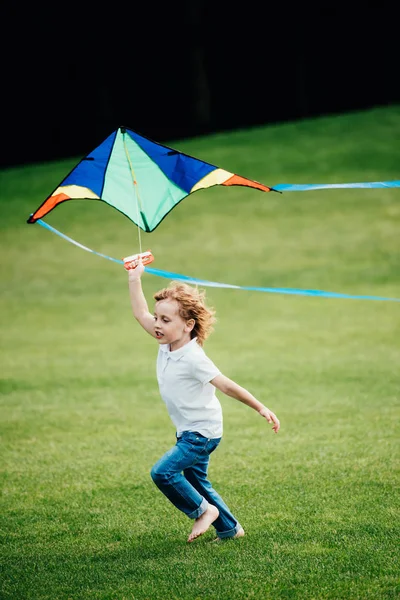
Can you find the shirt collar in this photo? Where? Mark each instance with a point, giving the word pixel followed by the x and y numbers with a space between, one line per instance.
pixel 177 354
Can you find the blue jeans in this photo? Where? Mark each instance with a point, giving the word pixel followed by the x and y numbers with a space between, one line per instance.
pixel 181 475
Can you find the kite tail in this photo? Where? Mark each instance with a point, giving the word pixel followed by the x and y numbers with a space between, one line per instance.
pixel 205 283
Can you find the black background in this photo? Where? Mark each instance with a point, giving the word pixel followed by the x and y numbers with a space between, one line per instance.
pixel 71 74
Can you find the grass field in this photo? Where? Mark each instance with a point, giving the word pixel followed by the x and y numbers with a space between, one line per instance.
pixel 82 422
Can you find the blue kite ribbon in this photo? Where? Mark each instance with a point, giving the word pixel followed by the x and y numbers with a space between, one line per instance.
pixel 303 187
pixel 204 282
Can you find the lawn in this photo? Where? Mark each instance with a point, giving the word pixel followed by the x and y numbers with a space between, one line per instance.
pixel 82 422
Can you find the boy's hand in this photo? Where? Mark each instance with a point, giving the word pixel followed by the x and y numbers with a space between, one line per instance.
pixel 136 273
pixel 271 418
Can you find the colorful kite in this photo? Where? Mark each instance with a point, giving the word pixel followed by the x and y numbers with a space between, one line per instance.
pixel 145 180
pixel 140 178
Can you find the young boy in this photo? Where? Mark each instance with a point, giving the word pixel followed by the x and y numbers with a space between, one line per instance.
pixel 187 381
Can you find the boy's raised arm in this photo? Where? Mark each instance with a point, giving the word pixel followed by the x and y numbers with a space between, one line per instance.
pixel 138 301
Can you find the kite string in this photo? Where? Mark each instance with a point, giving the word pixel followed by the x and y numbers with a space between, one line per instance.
pixel 136 191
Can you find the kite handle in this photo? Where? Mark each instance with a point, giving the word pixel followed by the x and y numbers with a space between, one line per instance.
pixel 131 262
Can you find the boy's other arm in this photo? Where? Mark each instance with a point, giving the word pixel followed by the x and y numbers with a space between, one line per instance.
pixel 138 301
pixel 230 388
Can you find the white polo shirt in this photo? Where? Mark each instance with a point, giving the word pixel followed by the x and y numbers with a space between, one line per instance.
pixel 184 377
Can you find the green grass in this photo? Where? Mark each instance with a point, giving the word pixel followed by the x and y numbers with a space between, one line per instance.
pixel 82 421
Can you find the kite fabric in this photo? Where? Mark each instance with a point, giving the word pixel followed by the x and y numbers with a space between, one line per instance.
pixel 215 284
pixel 141 178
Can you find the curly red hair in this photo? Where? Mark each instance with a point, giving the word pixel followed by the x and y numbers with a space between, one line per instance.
pixel 192 305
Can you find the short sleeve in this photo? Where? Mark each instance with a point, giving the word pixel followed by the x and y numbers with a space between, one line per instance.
pixel 203 368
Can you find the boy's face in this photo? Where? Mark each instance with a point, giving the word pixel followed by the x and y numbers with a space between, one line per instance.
pixel 169 326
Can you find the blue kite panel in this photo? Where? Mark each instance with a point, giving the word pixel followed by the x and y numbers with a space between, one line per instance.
pixel 183 170
pixel 91 171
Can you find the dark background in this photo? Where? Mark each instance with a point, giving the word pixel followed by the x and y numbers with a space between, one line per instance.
pixel 71 74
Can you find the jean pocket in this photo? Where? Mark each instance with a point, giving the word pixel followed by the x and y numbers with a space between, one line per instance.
pixel 195 440
pixel 194 437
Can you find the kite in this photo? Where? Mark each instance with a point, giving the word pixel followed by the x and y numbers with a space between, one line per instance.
pixel 145 180
pixel 141 178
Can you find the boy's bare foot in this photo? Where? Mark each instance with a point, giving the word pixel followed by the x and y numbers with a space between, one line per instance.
pixel 239 534
pixel 203 522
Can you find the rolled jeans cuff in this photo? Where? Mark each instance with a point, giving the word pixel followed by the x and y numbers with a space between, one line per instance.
pixel 199 511
pixel 230 533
